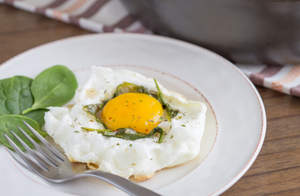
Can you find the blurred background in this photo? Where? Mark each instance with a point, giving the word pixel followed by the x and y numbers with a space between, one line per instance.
pixel 256 31
pixel 259 34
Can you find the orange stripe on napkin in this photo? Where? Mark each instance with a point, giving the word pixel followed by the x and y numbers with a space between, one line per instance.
pixel 269 71
pixel 78 4
pixel 289 77
pixel 52 5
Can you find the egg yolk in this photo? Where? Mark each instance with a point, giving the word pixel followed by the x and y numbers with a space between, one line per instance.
pixel 137 111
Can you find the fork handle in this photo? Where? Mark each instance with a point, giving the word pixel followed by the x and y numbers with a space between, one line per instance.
pixel 123 184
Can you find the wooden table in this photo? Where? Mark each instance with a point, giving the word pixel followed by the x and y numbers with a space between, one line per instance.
pixel 277 168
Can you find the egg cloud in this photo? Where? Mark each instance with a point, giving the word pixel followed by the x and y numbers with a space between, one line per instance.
pixel 140 158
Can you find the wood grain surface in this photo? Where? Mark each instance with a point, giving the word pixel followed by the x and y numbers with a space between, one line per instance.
pixel 276 171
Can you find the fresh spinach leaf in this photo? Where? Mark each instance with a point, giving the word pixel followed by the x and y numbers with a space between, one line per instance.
pixel 15 95
pixel 11 122
pixel 55 86
pixel 38 116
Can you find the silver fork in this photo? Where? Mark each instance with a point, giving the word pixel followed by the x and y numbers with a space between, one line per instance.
pixel 47 162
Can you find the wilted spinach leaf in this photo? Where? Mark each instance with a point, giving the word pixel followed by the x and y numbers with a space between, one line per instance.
pixel 170 111
pixel 121 133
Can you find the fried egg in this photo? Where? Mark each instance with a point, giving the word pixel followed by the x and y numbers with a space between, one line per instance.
pixel 83 138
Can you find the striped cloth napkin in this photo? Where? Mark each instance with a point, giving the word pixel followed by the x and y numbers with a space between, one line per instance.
pixel 111 16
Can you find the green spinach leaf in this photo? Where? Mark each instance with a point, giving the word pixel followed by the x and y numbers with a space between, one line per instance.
pixel 53 87
pixel 121 133
pixel 38 116
pixel 15 95
pixel 11 122
pixel 171 113
pixel 127 87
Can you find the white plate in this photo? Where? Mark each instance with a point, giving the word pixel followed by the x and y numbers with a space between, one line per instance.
pixel 188 69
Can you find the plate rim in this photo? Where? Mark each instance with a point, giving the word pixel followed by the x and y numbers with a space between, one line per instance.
pixel 263 130
pixel 181 43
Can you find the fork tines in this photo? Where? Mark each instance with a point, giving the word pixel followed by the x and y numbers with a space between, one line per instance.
pixel 41 158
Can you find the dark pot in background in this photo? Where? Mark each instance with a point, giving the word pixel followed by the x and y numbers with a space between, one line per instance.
pixel 245 31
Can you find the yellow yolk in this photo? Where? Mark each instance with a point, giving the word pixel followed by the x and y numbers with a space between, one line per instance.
pixel 137 111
